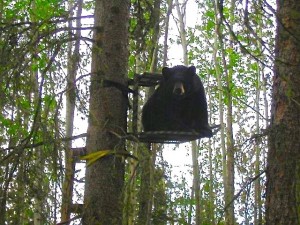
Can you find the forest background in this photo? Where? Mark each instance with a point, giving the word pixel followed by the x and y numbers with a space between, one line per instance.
pixel 46 56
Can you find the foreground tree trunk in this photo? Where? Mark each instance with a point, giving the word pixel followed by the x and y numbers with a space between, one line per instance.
pixel 283 184
pixel 108 107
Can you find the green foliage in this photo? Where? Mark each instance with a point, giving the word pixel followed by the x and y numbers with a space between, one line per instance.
pixel 31 126
pixel 34 41
pixel 144 21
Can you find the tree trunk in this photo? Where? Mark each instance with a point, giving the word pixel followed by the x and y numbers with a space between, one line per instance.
pixel 218 44
pixel 283 170
pixel 73 60
pixel 108 113
pixel 148 157
pixel 229 213
pixel 258 202
pixel 146 188
pixel 211 208
pixel 195 194
pixel 182 31
pixel 229 155
pixel 166 35
pixel 196 181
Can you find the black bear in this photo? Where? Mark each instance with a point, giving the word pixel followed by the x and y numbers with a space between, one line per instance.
pixel 178 104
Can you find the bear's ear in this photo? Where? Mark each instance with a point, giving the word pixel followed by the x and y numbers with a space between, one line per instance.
pixel 166 72
pixel 192 70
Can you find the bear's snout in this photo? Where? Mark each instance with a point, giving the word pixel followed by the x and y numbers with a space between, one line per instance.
pixel 178 89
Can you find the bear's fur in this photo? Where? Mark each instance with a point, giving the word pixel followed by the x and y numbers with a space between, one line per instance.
pixel 178 104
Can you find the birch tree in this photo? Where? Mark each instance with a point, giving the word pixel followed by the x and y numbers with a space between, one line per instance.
pixel 73 61
pixel 195 193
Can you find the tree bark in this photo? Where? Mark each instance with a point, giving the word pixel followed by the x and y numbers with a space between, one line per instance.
pixel 195 193
pixel 73 61
pixel 230 155
pixel 258 201
pixel 148 157
pixel 283 170
pixel 182 31
pixel 108 113
pixel 166 35
pixel 228 146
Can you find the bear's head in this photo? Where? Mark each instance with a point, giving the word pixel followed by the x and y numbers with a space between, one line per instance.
pixel 178 81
